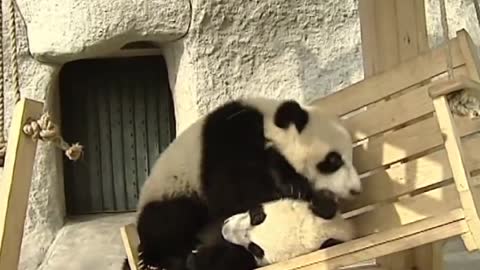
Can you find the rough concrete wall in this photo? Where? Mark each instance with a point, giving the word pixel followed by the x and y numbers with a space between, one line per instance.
pixel 46 207
pixel 62 30
pixel 290 49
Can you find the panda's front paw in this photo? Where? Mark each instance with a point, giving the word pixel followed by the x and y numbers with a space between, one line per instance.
pixel 221 257
pixel 324 204
pixel 330 243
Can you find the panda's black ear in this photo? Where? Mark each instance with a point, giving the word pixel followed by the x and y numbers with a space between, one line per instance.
pixel 290 112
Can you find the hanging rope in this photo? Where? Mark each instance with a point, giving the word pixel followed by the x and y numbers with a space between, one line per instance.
pixel 42 129
pixel 460 102
pixel 3 141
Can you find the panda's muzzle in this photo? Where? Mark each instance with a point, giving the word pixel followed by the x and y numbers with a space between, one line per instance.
pixel 235 229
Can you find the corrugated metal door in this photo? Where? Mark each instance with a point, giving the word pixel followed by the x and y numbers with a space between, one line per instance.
pixel 121 111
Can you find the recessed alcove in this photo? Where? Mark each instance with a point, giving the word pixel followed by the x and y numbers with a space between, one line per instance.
pixel 121 110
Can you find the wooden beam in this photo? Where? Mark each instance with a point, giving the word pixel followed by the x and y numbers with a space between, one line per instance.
pixel 15 183
pixel 394 31
pixel 130 242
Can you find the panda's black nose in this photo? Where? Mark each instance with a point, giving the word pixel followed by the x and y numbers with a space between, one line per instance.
pixel 354 192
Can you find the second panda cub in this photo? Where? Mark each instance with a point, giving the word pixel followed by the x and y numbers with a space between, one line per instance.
pixel 283 229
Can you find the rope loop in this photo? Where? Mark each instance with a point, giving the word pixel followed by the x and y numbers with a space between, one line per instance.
pixel 45 130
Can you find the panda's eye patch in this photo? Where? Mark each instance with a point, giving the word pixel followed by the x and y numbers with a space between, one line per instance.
pixel 256 250
pixel 257 215
pixel 332 162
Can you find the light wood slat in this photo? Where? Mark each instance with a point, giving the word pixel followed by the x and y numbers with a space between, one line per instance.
pixel 422 36
pixel 405 142
pixel 387 115
pixel 408 242
pixel 365 243
pixel 382 85
pixel 449 86
pixel 408 210
pixel 130 242
pixel 369 38
pixel 412 175
pixel 407 29
pixel 469 51
pixel 470 200
pixel 388 55
pixel 397 145
pixel 15 183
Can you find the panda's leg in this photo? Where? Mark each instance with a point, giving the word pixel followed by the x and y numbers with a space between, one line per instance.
pixel 167 230
pixel 221 256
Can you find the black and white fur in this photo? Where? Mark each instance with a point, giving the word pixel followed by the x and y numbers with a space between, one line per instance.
pixel 241 154
pixel 280 230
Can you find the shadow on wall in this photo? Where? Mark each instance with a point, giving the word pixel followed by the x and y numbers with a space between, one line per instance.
pixel 325 78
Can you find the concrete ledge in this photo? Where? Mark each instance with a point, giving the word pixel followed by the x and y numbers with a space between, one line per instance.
pixel 64 30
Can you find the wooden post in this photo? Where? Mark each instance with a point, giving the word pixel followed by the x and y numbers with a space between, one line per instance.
pixel 394 31
pixel 130 243
pixel 15 183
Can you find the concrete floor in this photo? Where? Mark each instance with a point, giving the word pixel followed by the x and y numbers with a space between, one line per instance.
pixel 88 243
pixel 94 242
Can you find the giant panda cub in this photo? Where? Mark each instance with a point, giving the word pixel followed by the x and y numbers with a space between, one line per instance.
pixel 283 229
pixel 241 154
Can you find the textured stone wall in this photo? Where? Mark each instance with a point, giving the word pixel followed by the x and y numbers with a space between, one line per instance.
pixel 215 50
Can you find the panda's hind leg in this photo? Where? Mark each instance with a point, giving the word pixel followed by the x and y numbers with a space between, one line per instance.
pixel 167 231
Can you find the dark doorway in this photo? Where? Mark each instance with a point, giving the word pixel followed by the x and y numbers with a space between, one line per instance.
pixel 121 110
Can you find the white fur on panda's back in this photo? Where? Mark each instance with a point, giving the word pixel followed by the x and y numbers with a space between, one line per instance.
pixel 177 170
pixel 182 158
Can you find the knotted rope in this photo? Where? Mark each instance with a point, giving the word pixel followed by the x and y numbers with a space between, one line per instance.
pixel 43 128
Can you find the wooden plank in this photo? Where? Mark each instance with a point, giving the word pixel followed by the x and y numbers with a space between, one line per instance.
pixel 408 242
pixel 382 85
pixel 15 183
pixel 412 175
pixel 469 51
pixel 421 23
pixel 75 173
pixel 369 38
pixel 372 241
pixel 128 136
pixel 406 142
pixel 470 200
pixel 408 210
pixel 140 132
pixel 103 105
pixel 117 129
pixel 397 145
pixel 152 128
pixel 93 153
pixel 449 86
pixel 130 243
pixel 390 114
pixel 164 108
pixel 401 27
pixel 387 37
pixel 407 29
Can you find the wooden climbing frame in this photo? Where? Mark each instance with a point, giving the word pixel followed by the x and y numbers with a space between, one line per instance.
pixel 422 158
